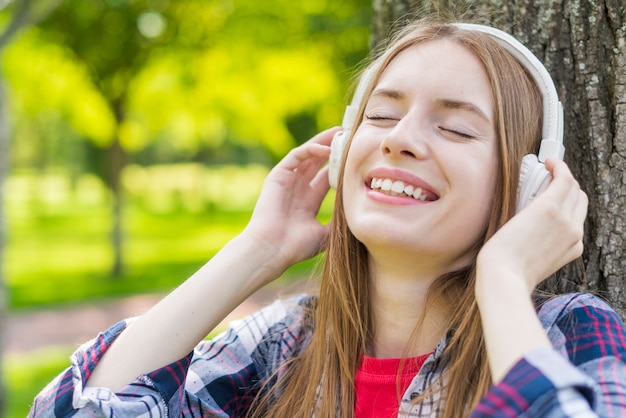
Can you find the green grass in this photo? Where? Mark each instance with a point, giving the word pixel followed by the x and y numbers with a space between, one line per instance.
pixel 26 374
pixel 65 259
pixel 59 259
pixel 58 251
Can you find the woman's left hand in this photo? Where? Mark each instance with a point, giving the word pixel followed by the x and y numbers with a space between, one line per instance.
pixel 541 238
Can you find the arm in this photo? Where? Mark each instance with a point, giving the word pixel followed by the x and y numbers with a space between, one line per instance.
pixel 283 230
pixel 153 352
pixel 584 374
pixel 532 245
pixel 535 243
pixel 220 385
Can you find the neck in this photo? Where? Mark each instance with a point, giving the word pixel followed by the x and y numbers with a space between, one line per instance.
pixel 403 324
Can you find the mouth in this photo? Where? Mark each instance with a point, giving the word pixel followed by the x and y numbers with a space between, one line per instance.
pixel 401 188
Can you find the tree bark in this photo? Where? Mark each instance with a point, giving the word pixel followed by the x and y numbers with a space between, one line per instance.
pixel 583 45
pixel 116 159
pixel 4 310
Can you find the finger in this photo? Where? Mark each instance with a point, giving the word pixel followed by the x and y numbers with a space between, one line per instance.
pixel 574 206
pixel 576 200
pixel 580 212
pixel 320 183
pixel 558 168
pixel 318 146
pixel 299 155
pixel 577 216
pixel 326 136
pixel 564 186
pixel 572 197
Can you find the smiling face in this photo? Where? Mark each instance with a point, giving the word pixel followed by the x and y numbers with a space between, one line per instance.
pixel 421 170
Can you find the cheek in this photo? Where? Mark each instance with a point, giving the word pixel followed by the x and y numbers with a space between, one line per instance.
pixel 486 192
pixel 479 185
pixel 359 151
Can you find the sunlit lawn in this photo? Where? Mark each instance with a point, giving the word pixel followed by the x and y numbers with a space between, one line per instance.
pixel 59 252
pixel 59 249
pixel 26 374
pixel 59 246
pixel 62 258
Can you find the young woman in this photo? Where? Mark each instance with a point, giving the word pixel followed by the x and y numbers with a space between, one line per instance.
pixel 427 304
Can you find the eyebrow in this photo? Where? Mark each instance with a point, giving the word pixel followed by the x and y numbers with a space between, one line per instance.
pixel 459 104
pixel 389 93
pixel 441 103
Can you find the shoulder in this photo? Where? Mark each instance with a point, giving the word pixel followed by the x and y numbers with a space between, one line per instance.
pixel 282 315
pixel 257 344
pixel 283 325
pixel 581 305
pixel 584 326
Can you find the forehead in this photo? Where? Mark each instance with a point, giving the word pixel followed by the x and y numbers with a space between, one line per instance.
pixel 445 53
pixel 440 67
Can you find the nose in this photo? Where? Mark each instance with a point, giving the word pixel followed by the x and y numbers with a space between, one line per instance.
pixel 406 139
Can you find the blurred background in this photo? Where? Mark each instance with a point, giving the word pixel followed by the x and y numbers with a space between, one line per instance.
pixel 135 136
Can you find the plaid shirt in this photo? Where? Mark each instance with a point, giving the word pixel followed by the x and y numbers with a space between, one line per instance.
pixel 583 375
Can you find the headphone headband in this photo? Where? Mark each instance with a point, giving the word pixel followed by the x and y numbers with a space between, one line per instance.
pixel 552 130
pixel 534 177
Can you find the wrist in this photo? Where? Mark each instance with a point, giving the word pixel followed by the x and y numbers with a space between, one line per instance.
pixel 267 260
pixel 495 279
pixel 500 289
pixel 510 324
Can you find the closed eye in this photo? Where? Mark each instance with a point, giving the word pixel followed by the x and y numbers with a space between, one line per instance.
pixel 379 117
pixel 458 133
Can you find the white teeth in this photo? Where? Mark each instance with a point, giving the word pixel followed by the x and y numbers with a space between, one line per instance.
pixel 397 188
pixel 386 185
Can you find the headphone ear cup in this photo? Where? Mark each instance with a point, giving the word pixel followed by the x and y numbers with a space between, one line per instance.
pixel 534 178
pixel 337 149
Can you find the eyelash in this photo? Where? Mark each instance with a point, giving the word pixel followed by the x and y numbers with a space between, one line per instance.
pixel 452 131
pixel 376 117
pixel 457 133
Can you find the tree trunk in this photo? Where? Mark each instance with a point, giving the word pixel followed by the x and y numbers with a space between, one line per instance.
pixel 583 45
pixel 20 18
pixel 116 159
pixel 4 158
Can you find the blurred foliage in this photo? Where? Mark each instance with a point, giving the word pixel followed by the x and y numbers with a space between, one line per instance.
pixel 197 83
pixel 100 84
pixel 180 80
pixel 27 374
pixel 178 216
pixel 202 95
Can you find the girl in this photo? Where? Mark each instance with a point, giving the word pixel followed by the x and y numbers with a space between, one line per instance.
pixel 427 304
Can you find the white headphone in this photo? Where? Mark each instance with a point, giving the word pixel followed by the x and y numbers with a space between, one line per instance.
pixel 534 178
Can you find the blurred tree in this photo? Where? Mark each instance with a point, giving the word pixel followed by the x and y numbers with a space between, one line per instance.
pixel 55 105
pixel 192 79
pixel 267 75
pixel 112 38
pixel 18 15
pixel 583 45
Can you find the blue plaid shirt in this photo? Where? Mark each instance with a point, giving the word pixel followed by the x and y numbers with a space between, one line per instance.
pixel 583 375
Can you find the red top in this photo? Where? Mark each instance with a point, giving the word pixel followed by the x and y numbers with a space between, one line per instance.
pixel 376 385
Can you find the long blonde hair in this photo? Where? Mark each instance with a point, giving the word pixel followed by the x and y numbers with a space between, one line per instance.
pixel 321 379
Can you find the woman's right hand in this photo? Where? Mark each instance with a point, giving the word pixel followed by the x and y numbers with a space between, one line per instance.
pixel 284 221
pixel 282 231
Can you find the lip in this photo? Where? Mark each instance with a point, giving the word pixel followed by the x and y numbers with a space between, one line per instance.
pixel 397 174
